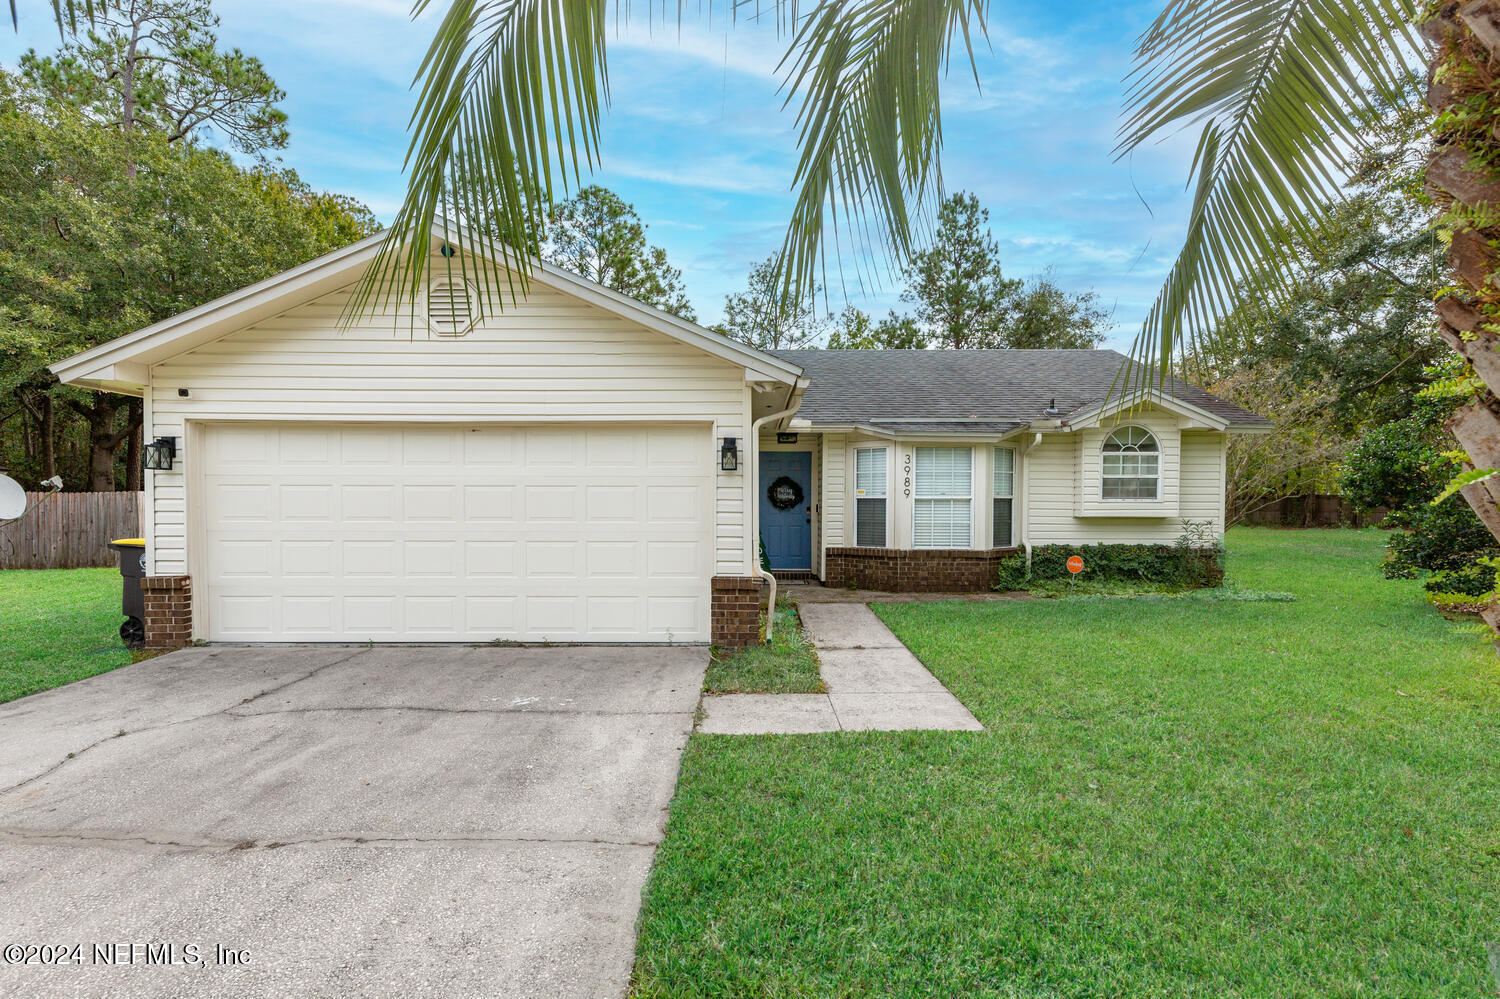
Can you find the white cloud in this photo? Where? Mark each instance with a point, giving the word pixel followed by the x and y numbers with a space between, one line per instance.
pixel 729 173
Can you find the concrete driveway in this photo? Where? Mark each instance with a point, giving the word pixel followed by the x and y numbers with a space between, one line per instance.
pixel 443 821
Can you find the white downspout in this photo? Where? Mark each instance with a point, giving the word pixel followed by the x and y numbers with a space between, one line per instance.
pixel 753 446
pixel 1026 501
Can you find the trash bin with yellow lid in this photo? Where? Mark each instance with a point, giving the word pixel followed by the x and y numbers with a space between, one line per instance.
pixel 132 553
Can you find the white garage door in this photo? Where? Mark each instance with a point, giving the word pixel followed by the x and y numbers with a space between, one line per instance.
pixel 424 533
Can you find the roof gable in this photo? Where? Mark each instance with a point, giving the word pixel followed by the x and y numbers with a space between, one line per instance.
pixel 121 364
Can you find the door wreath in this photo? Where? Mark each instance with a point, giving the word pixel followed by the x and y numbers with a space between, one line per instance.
pixel 785 493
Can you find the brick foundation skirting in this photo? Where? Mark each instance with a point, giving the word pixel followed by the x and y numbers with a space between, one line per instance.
pixel 169 611
pixel 957 570
pixel 734 607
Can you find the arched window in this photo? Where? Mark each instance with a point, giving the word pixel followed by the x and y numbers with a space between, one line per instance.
pixel 1132 465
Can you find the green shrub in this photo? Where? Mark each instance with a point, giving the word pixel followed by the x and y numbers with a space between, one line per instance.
pixel 1182 566
pixel 1403 465
pixel 1440 539
pixel 1475 580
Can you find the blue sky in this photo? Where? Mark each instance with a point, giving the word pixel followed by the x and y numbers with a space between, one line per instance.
pixel 696 138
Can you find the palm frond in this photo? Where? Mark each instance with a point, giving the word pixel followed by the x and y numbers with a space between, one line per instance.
pixel 508 108
pixel 65 12
pixel 1277 88
pixel 869 74
pixel 510 98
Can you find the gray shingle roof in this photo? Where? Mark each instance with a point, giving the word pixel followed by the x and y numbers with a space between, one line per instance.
pixel 968 386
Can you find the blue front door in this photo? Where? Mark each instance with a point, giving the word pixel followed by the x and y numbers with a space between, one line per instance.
pixel 786 508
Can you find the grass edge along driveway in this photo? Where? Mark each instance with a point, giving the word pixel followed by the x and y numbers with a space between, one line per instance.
pixel 1172 798
pixel 57 626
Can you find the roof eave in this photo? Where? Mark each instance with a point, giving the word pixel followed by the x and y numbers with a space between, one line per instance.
pixel 1153 397
pixel 859 426
pixel 85 367
pixel 330 272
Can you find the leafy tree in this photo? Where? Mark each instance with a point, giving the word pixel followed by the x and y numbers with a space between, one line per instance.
pixel 149 70
pixel 88 253
pixel 599 236
pixel 962 298
pixel 156 65
pixel 1299 456
pixel 1357 312
pixel 1285 93
pixel 762 317
pixel 1042 315
pixel 1403 466
pixel 1399 464
pixel 857 331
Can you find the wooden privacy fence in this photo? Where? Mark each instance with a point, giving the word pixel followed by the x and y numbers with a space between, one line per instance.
pixel 69 530
pixel 1320 510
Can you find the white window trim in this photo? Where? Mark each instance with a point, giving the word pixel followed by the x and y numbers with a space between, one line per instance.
pixel 1157 477
pixel 1015 471
pixel 973 491
pixel 889 471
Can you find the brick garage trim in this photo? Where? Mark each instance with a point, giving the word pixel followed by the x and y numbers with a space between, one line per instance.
pixel 169 611
pixel 734 607
pixel 922 570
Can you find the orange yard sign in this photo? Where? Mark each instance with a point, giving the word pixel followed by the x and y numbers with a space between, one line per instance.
pixel 1075 564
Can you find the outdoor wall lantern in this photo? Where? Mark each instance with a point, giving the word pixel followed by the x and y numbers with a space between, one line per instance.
pixel 729 455
pixel 160 452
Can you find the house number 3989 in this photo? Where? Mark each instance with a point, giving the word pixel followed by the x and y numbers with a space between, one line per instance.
pixel 907 484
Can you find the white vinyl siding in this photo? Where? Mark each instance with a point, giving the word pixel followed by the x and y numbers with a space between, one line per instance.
pixel 835 485
pixel 1003 491
pixel 943 508
pixel 1061 484
pixel 871 473
pixel 548 358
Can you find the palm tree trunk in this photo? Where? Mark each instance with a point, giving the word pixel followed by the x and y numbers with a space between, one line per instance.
pixel 1466 38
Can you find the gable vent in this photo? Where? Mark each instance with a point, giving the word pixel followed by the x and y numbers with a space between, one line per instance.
pixel 452 307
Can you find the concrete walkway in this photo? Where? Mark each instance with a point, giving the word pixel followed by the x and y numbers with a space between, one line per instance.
pixel 874 684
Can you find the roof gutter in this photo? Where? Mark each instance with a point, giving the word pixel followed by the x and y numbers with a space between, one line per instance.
pixel 888 434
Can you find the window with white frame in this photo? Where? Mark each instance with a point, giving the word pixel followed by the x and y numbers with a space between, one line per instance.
pixel 942 511
pixel 1132 465
pixel 1003 497
pixel 869 497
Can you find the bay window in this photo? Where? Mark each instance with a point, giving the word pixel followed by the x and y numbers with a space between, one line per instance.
pixel 942 511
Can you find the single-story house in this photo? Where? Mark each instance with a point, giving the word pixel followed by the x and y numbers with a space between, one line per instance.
pixel 575 466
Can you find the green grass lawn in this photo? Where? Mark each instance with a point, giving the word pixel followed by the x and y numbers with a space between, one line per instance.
pixel 1171 798
pixel 788 665
pixel 60 625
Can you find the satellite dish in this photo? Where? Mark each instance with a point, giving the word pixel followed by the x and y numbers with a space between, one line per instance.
pixel 12 498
